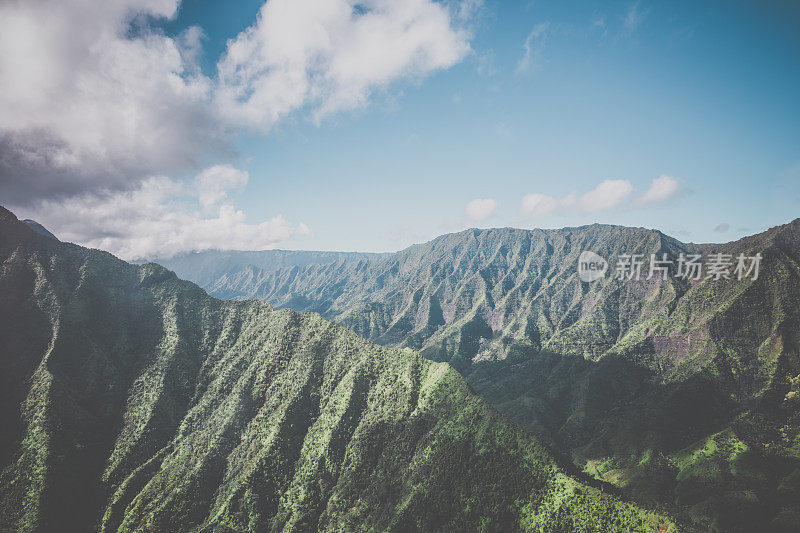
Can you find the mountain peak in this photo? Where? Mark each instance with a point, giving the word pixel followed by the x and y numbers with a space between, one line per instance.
pixel 38 228
pixel 16 229
pixel 6 215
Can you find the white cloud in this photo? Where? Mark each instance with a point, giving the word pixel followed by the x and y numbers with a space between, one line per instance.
pixel 533 48
pixel 214 183
pixel 303 230
pixel 662 189
pixel 480 209
pixel 85 104
pixel 93 98
pixel 723 227
pixel 606 196
pixel 157 219
pixel 330 56
pixel 609 194
pixel 537 205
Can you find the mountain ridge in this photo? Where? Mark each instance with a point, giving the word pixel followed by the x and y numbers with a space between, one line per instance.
pixel 207 265
pixel 38 228
pixel 676 366
pixel 134 401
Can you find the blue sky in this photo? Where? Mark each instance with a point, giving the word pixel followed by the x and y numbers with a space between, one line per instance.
pixel 703 92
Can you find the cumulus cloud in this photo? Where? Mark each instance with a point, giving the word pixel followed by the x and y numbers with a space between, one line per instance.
pixel 662 189
pixel 537 205
pixel 157 219
pixel 214 183
pixel 533 48
pixel 86 104
pixel 93 97
pixel 480 209
pixel 330 55
pixel 609 194
pixel 97 105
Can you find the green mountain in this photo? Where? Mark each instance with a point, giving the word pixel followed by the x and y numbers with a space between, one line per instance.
pixel 682 393
pixel 132 401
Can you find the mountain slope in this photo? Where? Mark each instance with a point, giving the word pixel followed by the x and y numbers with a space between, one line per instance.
pixel 132 401
pixel 679 392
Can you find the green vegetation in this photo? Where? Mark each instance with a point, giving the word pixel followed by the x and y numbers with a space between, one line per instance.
pixel 132 401
pixel 681 394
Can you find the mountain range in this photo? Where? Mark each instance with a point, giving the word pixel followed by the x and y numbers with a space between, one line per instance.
pixel 131 400
pixel 683 393
pixel 205 268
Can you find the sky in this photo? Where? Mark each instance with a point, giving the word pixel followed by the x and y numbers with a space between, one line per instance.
pixel 153 127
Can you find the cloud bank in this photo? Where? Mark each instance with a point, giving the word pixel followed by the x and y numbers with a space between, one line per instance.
pixel 162 217
pixel 606 196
